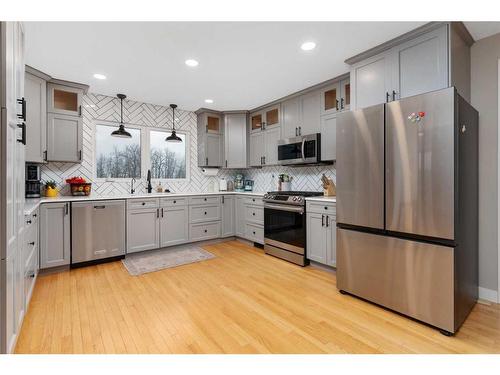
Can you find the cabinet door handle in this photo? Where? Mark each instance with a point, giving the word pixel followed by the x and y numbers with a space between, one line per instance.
pixel 205 231
pixel 23 135
pixel 300 130
pixel 22 116
pixel 327 221
pixel 222 199
pixel 79 110
pixel 296 131
pixel 66 209
pixel 162 212
pixel 157 213
pixel 34 215
pixel 263 125
pixel 226 163
pixel 206 128
pixel 393 95
pixel 31 243
pixel 45 155
pixel 341 103
pixel 337 104
pixel 80 155
pixel 387 96
pixel 100 207
pixel 264 158
pixel 28 221
pixel 206 161
pixel 322 220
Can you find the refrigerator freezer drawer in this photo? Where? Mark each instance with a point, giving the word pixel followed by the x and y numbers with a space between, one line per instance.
pixel 413 278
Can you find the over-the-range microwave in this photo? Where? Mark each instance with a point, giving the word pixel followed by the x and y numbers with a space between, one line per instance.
pixel 305 149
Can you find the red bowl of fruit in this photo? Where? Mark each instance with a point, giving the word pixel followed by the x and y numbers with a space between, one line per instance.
pixel 79 186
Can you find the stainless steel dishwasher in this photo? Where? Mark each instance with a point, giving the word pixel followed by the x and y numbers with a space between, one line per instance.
pixel 97 230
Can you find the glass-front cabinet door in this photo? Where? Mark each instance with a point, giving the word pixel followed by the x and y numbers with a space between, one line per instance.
pixel 272 116
pixel 64 100
pixel 213 123
pixel 345 95
pixel 330 99
pixel 256 120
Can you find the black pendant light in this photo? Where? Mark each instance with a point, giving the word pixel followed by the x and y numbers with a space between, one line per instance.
pixel 121 132
pixel 173 137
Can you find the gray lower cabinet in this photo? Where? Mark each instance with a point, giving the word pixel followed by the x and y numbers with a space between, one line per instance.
pixel 321 229
pixel 239 211
pixel 143 229
pixel 35 91
pixel 174 225
pixel 205 231
pixel 55 232
pixel 64 137
pixel 228 216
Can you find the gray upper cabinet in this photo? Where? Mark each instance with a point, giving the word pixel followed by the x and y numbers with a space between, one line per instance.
pixel 371 80
pixel 421 64
pixel 329 137
pixel 256 149
pixel 228 216
pixel 235 140
pixel 432 57
pixel 310 107
pixel 64 138
pixel 65 100
pixel 35 92
pixel 291 118
pixel 209 139
pixel 266 118
pixel 301 115
pixel 271 138
pixel 55 232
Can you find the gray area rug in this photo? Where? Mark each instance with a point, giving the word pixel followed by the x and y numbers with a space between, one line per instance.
pixel 155 260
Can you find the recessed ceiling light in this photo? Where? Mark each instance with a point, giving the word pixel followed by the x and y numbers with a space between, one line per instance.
pixel 308 46
pixel 209 101
pixel 191 62
pixel 99 76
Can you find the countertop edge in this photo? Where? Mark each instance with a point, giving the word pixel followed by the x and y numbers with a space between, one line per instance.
pixel 31 204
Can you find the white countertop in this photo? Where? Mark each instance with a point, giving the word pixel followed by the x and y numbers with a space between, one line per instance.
pixel 322 199
pixel 31 204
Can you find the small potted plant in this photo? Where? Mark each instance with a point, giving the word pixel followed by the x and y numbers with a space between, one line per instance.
pixel 50 189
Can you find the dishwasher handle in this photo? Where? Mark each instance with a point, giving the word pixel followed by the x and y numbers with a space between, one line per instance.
pixel 100 207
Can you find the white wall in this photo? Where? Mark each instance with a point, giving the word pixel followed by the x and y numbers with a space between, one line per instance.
pixel 484 97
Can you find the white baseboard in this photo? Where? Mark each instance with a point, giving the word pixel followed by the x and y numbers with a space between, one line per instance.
pixel 488 294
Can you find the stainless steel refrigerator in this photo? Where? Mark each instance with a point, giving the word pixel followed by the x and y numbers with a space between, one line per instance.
pixel 407 206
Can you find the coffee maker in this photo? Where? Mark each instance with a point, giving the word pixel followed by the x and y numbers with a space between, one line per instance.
pixel 33 184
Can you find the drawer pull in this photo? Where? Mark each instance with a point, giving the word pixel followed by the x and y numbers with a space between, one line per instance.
pixel 28 221
pixel 31 243
pixel 326 208
pixel 205 199
pixel 34 215
pixel 205 231
pixel 143 203
pixel 254 233
pixel 205 212
pixel 253 213
pixel 175 202
pixel 253 199
pixel 32 275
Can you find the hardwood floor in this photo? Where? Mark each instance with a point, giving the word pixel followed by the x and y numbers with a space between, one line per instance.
pixel 240 302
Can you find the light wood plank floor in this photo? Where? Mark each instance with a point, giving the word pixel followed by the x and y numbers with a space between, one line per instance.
pixel 240 302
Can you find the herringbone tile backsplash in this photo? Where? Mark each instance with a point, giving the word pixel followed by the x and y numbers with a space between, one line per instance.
pixel 106 108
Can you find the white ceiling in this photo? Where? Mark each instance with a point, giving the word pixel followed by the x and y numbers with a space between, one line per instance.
pixel 242 65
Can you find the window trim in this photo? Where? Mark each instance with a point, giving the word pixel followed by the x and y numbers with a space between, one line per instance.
pixel 145 153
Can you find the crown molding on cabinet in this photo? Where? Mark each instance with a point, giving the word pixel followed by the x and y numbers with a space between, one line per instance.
pixel 37 73
pixel 459 26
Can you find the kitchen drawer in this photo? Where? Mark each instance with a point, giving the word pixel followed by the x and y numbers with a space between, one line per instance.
pixel 254 214
pixel 254 232
pixel 31 220
pixel 256 201
pixel 198 214
pixel 30 274
pixel 204 231
pixel 321 208
pixel 204 200
pixel 134 204
pixel 173 202
pixel 30 244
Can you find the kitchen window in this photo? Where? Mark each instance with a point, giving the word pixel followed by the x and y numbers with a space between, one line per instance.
pixel 117 157
pixel 126 158
pixel 167 159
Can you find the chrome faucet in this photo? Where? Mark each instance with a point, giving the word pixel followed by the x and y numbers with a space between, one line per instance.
pixel 132 190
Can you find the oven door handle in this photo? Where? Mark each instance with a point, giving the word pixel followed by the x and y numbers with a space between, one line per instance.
pixel 284 207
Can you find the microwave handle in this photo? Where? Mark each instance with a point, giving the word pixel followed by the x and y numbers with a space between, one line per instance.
pixel 302 148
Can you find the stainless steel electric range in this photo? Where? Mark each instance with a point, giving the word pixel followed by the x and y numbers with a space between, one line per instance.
pixel 285 225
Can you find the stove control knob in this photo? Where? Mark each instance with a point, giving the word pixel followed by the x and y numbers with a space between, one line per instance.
pixel 266 196
pixel 294 199
pixel 300 199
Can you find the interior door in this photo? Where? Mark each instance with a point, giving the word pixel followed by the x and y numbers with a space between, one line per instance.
pixel 420 165
pixel 360 167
